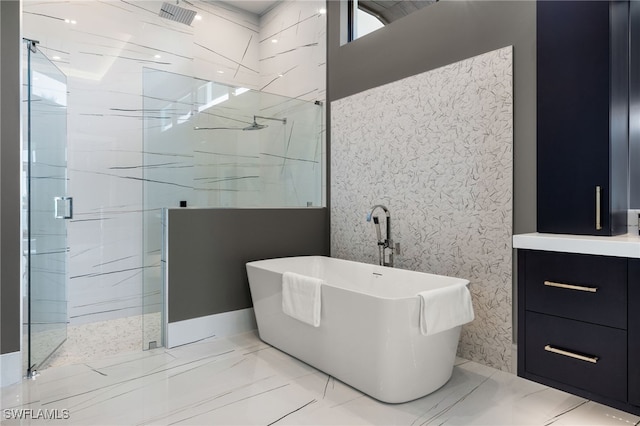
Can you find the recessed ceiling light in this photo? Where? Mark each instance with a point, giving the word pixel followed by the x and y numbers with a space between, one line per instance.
pixel 198 18
pixel 322 11
pixel 274 40
pixel 56 58
pixel 280 75
pixel 157 56
pixel 67 21
pixel 73 21
pixel 220 72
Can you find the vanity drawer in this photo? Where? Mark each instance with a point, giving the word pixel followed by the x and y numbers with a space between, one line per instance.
pixel 594 357
pixel 577 286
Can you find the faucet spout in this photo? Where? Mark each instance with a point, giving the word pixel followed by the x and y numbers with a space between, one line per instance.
pixel 387 243
pixel 379 206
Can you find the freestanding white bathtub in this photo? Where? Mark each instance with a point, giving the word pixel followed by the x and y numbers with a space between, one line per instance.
pixel 369 335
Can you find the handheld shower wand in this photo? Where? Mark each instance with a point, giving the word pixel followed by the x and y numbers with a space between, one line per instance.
pixel 376 223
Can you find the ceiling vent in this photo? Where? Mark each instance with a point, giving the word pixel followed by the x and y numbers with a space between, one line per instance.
pixel 177 13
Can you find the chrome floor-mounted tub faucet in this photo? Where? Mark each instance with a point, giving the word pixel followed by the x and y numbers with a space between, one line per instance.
pixel 386 247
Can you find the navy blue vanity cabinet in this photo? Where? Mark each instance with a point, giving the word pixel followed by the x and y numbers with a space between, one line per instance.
pixel 579 325
pixel 582 116
pixel 634 332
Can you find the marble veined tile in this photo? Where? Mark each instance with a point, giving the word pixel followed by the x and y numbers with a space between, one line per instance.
pixel 23 394
pixel 592 414
pixel 240 380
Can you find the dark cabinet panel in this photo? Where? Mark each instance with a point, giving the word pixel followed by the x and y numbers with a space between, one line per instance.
pixel 587 356
pixel 634 331
pixel 582 116
pixel 634 105
pixel 578 286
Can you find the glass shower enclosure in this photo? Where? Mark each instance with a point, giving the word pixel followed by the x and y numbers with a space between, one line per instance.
pixel 208 144
pixel 46 206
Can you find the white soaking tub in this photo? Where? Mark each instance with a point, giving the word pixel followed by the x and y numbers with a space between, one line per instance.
pixel 369 334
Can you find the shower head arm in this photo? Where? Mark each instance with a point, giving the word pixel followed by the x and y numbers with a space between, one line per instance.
pixel 283 120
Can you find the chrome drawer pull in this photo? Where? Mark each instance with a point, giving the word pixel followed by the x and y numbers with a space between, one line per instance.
pixel 571 286
pixel 598 203
pixel 592 359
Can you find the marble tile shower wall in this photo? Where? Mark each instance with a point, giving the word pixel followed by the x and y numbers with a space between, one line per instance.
pixel 103 47
pixel 298 53
pixel 436 148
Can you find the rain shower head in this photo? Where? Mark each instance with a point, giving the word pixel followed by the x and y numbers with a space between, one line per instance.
pixel 255 126
pixel 177 13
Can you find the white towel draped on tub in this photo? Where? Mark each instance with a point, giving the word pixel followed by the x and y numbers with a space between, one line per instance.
pixel 444 308
pixel 301 297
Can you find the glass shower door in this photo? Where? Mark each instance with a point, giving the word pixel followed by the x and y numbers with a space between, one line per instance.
pixel 48 206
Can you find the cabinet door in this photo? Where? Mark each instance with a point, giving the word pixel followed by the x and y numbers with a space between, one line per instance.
pixel 634 331
pixel 581 116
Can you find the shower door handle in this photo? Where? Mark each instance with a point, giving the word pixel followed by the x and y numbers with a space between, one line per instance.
pixel 65 212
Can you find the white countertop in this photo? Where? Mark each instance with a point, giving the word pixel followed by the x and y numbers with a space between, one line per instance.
pixel 626 245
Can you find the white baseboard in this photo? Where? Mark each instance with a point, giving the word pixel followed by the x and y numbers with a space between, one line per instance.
pixel 224 324
pixel 10 368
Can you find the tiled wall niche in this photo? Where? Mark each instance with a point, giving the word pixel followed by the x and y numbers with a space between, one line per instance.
pixel 436 149
pixel 102 47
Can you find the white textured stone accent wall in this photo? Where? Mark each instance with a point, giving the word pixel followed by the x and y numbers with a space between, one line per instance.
pixel 436 149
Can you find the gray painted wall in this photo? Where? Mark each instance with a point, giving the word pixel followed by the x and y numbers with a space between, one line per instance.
pixel 208 250
pixel 10 47
pixel 440 34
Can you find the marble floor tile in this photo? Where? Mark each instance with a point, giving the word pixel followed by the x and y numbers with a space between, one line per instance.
pixel 592 414
pixel 240 380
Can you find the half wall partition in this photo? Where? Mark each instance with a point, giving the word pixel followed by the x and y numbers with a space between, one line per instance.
pixel 208 145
